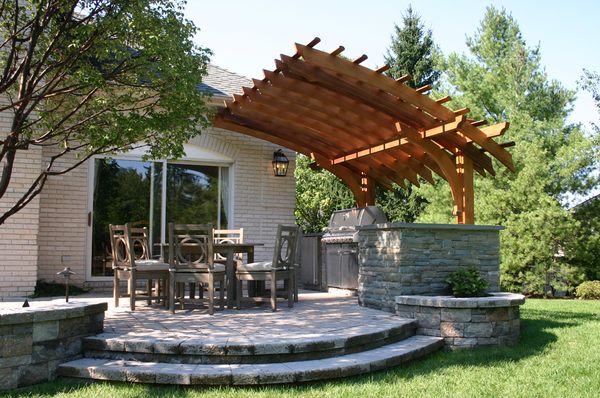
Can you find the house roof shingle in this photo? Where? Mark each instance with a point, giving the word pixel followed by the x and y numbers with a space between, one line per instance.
pixel 223 83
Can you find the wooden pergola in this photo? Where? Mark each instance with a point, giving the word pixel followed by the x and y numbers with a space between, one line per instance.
pixel 365 127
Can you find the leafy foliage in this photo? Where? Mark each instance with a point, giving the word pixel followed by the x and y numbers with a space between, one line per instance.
pixel 589 290
pixel 88 77
pixel 400 205
pixel 467 283
pixel 502 79
pixel 583 249
pixel 590 81
pixel 318 194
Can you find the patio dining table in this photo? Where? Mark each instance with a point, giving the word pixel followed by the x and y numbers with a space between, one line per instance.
pixel 228 250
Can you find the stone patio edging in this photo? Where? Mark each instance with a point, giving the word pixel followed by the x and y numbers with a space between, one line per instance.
pixel 465 322
pixel 34 341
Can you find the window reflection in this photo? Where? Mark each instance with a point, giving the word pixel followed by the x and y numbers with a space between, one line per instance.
pixel 121 195
pixel 193 194
pixel 132 191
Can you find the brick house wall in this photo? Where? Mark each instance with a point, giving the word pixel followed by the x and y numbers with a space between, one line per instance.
pixel 63 221
pixel 52 231
pixel 261 201
pixel 19 235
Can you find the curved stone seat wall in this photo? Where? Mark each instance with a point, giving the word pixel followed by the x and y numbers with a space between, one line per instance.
pixel 405 259
pixel 465 322
pixel 35 340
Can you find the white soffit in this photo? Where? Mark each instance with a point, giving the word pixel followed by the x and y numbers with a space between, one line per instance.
pixel 192 153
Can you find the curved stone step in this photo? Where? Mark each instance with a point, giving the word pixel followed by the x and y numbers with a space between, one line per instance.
pixel 247 349
pixel 258 374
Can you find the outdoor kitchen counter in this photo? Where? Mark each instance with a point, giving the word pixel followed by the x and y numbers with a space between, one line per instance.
pixel 396 259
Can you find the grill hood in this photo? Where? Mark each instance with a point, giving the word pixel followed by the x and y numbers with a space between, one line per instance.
pixel 343 223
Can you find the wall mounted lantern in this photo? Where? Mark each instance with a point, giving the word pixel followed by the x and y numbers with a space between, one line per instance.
pixel 280 164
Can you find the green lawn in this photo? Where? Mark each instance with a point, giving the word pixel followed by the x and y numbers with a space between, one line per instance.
pixel 558 356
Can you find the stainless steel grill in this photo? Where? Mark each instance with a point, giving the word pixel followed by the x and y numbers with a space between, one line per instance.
pixel 341 240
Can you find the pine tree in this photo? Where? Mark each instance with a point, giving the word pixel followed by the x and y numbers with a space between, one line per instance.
pixel 503 79
pixel 413 52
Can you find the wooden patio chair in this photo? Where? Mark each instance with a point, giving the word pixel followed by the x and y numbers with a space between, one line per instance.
pixel 281 268
pixel 228 236
pixel 191 257
pixel 131 261
pixel 221 236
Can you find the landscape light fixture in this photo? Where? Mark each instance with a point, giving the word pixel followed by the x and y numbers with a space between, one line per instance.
pixel 67 274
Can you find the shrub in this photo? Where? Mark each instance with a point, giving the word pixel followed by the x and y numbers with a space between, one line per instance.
pixel 467 283
pixel 589 290
pixel 54 289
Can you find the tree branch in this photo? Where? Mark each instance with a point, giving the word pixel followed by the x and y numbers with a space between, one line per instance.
pixel 8 156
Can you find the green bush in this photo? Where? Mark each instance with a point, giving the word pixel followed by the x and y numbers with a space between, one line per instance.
pixel 589 290
pixel 467 283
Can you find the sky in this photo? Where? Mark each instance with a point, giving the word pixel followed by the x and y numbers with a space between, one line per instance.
pixel 246 36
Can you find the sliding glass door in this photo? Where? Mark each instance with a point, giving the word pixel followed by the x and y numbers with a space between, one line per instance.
pixel 140 193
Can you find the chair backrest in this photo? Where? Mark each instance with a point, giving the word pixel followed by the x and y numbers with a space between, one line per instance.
pixel 228 236
pixel 191 245
pixel 284 255
pixel 128 245
pixel 139 243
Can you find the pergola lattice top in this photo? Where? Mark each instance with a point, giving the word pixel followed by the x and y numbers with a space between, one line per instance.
pixel 365 127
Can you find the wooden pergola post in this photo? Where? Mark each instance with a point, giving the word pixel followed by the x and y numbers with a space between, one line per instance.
pixel 464 169
pixel 367 197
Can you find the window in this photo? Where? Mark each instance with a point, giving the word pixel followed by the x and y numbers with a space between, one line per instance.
pixel 134 191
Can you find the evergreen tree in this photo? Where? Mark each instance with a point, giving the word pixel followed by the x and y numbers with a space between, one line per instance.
pixel 585 248
pixel 590 81
pixel 502 79
pixel 413 52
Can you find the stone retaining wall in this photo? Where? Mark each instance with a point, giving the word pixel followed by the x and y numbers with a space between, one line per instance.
pixel 34 341
pixel 465 322
pixel 405 259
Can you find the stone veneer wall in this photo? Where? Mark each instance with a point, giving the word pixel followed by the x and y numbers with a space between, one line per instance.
pixel 35 340
pixel 465 322
pixel 405 259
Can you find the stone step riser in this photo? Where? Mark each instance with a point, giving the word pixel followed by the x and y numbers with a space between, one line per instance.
pixel 256 374
pixel 191 353
pixel 248 358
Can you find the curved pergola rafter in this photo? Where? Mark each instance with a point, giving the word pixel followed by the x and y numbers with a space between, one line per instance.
pixel 365 127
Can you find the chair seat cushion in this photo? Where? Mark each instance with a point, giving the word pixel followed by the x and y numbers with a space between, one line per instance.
pixel 151 265
pixel 255 267
pixel 202 268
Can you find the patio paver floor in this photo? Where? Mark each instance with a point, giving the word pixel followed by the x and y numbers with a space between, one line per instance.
pixel 315 315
